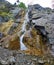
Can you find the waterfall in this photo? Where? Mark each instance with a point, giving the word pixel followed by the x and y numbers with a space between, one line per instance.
pixel 22 46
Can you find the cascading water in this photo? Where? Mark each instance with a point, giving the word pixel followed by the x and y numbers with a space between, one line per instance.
pixel 22 46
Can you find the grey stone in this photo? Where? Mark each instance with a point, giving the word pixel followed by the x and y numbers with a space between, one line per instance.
pixel 40 22
pixel 11 59
pixel 14 26
pixel 51 40
pixel 37 15
pixel 1 35
pixel 1 19
pixel 51 36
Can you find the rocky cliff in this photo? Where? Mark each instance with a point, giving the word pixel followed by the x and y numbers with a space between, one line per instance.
pixel 28 37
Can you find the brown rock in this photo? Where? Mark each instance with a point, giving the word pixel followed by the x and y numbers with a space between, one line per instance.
pixel 11 42
pixel 27 27
pixel 14 43
pixel 34 41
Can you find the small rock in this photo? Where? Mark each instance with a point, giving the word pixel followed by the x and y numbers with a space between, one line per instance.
pixel 11 59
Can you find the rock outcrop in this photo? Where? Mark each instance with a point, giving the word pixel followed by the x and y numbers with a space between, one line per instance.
pixel 10 42
pixel 32 29
pixel 35 41
pixel 40 16
pixel 12 32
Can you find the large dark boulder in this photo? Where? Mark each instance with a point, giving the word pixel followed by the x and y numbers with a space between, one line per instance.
pixel 37 6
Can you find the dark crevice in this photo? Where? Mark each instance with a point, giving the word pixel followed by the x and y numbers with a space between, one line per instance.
pixel 36 18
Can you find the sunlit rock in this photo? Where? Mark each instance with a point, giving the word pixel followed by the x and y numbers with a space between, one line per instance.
pixel 34 41
pixel 6 26
pixel 11 42
pixel 14 43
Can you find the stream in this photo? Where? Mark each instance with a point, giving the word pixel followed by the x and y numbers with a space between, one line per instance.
pixel 22 46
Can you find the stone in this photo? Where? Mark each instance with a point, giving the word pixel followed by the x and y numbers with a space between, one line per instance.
pixel 35 6
pixel 49 27
pixel 18 13
pixel 6 26
pixel 14 43
pixel 11 59
pixel 12 28
pixel 51 40
pixel 37 16
pixel 51 36
pixel 17 21
pixel 27 27
pixel 11 42
pixel 3 62
pixel 1 19
pixel 4 19
pixel 40 22
pixel 35 11
pixel 1 35
pixel 34 41
pixel 34 38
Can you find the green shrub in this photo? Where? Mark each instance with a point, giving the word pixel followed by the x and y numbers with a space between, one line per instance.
pixel 22 5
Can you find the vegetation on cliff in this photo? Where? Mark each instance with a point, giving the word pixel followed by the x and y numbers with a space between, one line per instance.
pixel 22 5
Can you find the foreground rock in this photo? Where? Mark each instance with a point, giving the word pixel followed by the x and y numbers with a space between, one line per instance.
pixel 8 57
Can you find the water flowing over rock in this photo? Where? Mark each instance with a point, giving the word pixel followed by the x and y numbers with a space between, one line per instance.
pixel 33 40
pixel 23 47
pixel 29 38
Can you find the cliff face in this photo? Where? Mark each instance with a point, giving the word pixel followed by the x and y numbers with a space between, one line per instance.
pixel 36 40
pixel 40 16
pixel 31 33
pixel 12 32
pixel 37 18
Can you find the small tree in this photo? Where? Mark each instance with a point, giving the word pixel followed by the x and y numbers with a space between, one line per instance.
pixel 22 5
